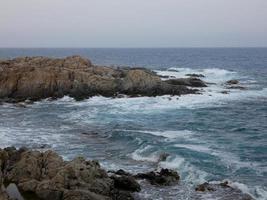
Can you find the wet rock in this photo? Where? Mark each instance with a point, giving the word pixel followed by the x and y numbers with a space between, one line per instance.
pixel 204 187
pixel 164 177
pixel 232 82
pixel 122 195
pixel 237 87
pixel 225 92
pixel 126 183
pixel 47 176
pixel 163 157
pixel 33 78
pixel 82 195
pixel 223 191
pixel 196 75
pixel 120 172
pixel 192 82
pixel 173 70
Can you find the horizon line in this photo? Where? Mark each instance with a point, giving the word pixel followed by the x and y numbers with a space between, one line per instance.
pixel 219 47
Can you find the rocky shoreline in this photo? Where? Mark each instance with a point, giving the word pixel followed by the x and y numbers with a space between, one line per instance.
pixel 35 78
pixel 28 174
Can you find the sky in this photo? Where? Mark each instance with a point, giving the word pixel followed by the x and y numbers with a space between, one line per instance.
pixel 133 23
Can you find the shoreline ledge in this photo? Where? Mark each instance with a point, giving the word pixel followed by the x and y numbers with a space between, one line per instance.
pixel 30 174
pixel 36 78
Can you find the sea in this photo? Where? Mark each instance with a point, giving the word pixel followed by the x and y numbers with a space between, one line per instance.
pixel 212 136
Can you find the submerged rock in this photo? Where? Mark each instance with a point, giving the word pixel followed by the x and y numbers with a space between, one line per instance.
pixel 196 75
pixel 237 87
pixel 164 177
pixel 192 82
pixel 35 78
pixel 223 191
pixel 232 82
pixel 126 183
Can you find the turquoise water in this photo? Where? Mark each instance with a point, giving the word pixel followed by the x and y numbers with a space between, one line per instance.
pixel 210 137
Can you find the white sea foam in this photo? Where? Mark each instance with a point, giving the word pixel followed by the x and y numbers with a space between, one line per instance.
pixel 257 192
pixel 190 174
pixel 166 134
pixel 138 154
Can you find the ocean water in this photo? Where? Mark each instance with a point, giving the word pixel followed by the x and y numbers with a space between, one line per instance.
pixel 209 137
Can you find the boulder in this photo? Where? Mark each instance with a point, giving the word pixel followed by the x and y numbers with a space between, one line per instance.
pixel 232 82
pixel 126 183
pixel 164 177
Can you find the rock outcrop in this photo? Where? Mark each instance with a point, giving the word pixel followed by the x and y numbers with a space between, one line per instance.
pixel 165 177
pixel 47 176
pixel 34 78
pixel 224 188
pixel 192 82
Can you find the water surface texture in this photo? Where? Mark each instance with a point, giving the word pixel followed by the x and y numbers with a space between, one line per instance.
pixel 210 137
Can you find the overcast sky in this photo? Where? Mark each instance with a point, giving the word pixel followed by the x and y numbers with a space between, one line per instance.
pixel 133 23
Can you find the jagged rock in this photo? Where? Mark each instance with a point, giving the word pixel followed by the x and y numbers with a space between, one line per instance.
pixel 163 177
pixel 120 172
pixel 46 175
pixel 196 75
pixel 192 82
pixel 224 191
pixel 163 157
pixel 225 92
pixel 82 195
pixel 126 183
pixel 34 78
pixel 232 82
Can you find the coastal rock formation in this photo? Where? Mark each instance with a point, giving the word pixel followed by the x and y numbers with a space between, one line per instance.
pixel 232 82
pixel 34 78
pixel 47 176
pixel 196 75
pixel 164 177
pixel 225 188
pixel 192 82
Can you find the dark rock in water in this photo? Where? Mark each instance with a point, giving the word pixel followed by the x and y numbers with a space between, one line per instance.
pixel 121 195
pixel 164 76
pixel 232 82
pixel 192 82
pixel 89 133
pixel 204 187
pixel 237 87
pixel 126 183
pixel 225 92
pixel 173 70
pixel 223 191
pixel 163 157
pixel 35 78
pixel 120 172
pixel 164 177
pixel 196 75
